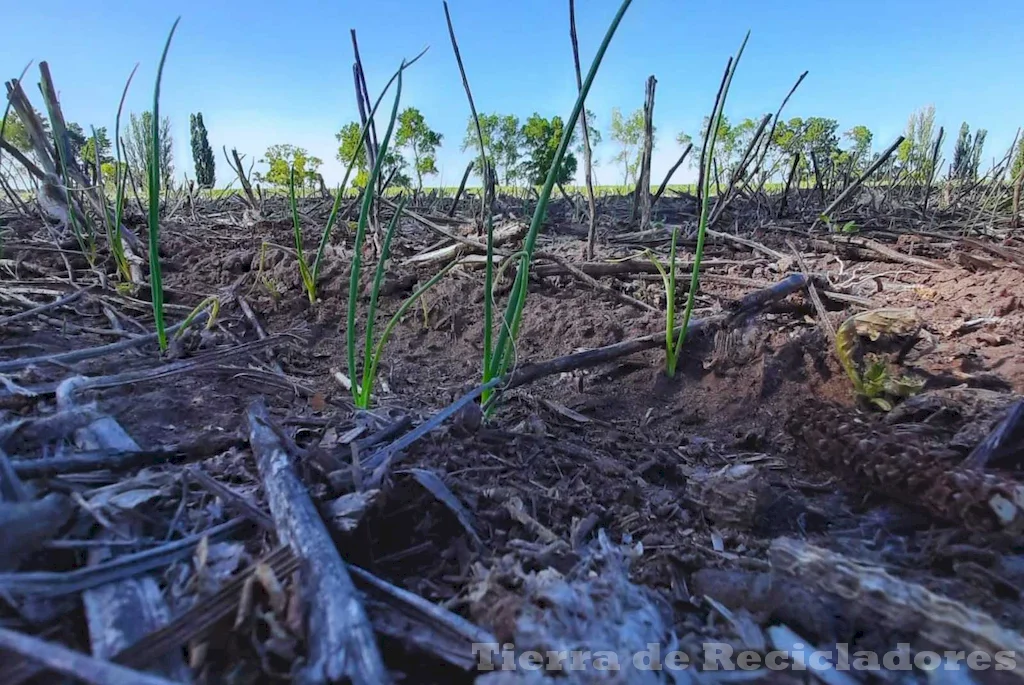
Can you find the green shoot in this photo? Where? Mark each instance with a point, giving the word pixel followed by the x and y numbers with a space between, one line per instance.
pixel 673 350
pixel 485 175
pixel 155 277
pixel 114 237
pixel 361 395
pixel 212 303
pixel 409 302
pixel 372 354
pixel 502 353
pixel 304 272
pixel 313 272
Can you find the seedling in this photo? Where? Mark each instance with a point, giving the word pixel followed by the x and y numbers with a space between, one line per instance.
pixel 674 339
pixel 498 358
pixel 155 279
pixel 372 353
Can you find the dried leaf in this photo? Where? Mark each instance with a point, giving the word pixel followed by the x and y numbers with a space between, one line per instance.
pixel 275 592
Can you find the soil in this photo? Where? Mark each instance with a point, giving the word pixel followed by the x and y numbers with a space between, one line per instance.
pixel 699 473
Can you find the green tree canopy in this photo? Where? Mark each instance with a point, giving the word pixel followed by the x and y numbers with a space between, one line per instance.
pixel 421 142
pixel 279 160
pixel 1017 168
pixel 350 143
pixel 915 152
pixel 503 142
pixel 16 133
pixel 540 139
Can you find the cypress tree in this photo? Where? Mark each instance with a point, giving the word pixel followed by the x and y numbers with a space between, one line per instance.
pixel 202 153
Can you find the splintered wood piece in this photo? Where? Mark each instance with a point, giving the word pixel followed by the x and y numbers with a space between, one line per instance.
pixel 940 622
pixel 341 639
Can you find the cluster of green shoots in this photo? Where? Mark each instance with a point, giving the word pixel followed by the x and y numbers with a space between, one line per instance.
pixel 499 354
pixel 372 353
pixel 674 338
pixel 498 346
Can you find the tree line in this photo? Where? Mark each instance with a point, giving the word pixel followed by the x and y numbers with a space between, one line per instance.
pixel 93 152
pixel 521 152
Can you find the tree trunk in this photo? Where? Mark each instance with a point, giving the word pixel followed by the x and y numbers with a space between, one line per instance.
pixel 642 197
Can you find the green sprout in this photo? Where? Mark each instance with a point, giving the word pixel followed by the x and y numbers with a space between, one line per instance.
pixel 372 353
pixel 155 277
pixel 310 274
pixel 498 359
pixel 673 348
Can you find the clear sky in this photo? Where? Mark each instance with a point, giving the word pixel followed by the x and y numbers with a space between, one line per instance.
pixel 280 72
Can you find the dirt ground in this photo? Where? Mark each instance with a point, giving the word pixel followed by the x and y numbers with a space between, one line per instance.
pixel 758 438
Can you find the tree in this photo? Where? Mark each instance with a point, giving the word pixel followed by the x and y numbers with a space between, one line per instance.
pixel 915 152
pixel 350 143
pixel 139 144
pixel 202 153
pixel 976 148
pixel 16 133
pixel 595 133
pixel 279 160
pixel 312 171
pixel 489 124
pixel 508 148
pixel 628 134
pixel 502 142
pixel 90 152
pixel 730 142
pixel 99 145
pixel 820 138
pixel 860 138
pixel 540 140
pixel 961 165
pixel 422 143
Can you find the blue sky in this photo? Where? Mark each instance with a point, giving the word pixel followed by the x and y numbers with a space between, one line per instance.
pixel 264 73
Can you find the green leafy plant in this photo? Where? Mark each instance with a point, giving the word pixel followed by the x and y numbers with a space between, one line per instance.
pixel 847 228
pixel 304 271
pixel 674 339
pixel 310 273
pixel 498 359
pixel 155 276
pixel 372 354
pixel 211 303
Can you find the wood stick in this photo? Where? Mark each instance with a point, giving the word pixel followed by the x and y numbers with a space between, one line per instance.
pixel 939 621
pixel 341 639
pixel 124 611
pixel 75 664
pixel 588 164
pixel 668 176
pixel 462 187
pixel 60 302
